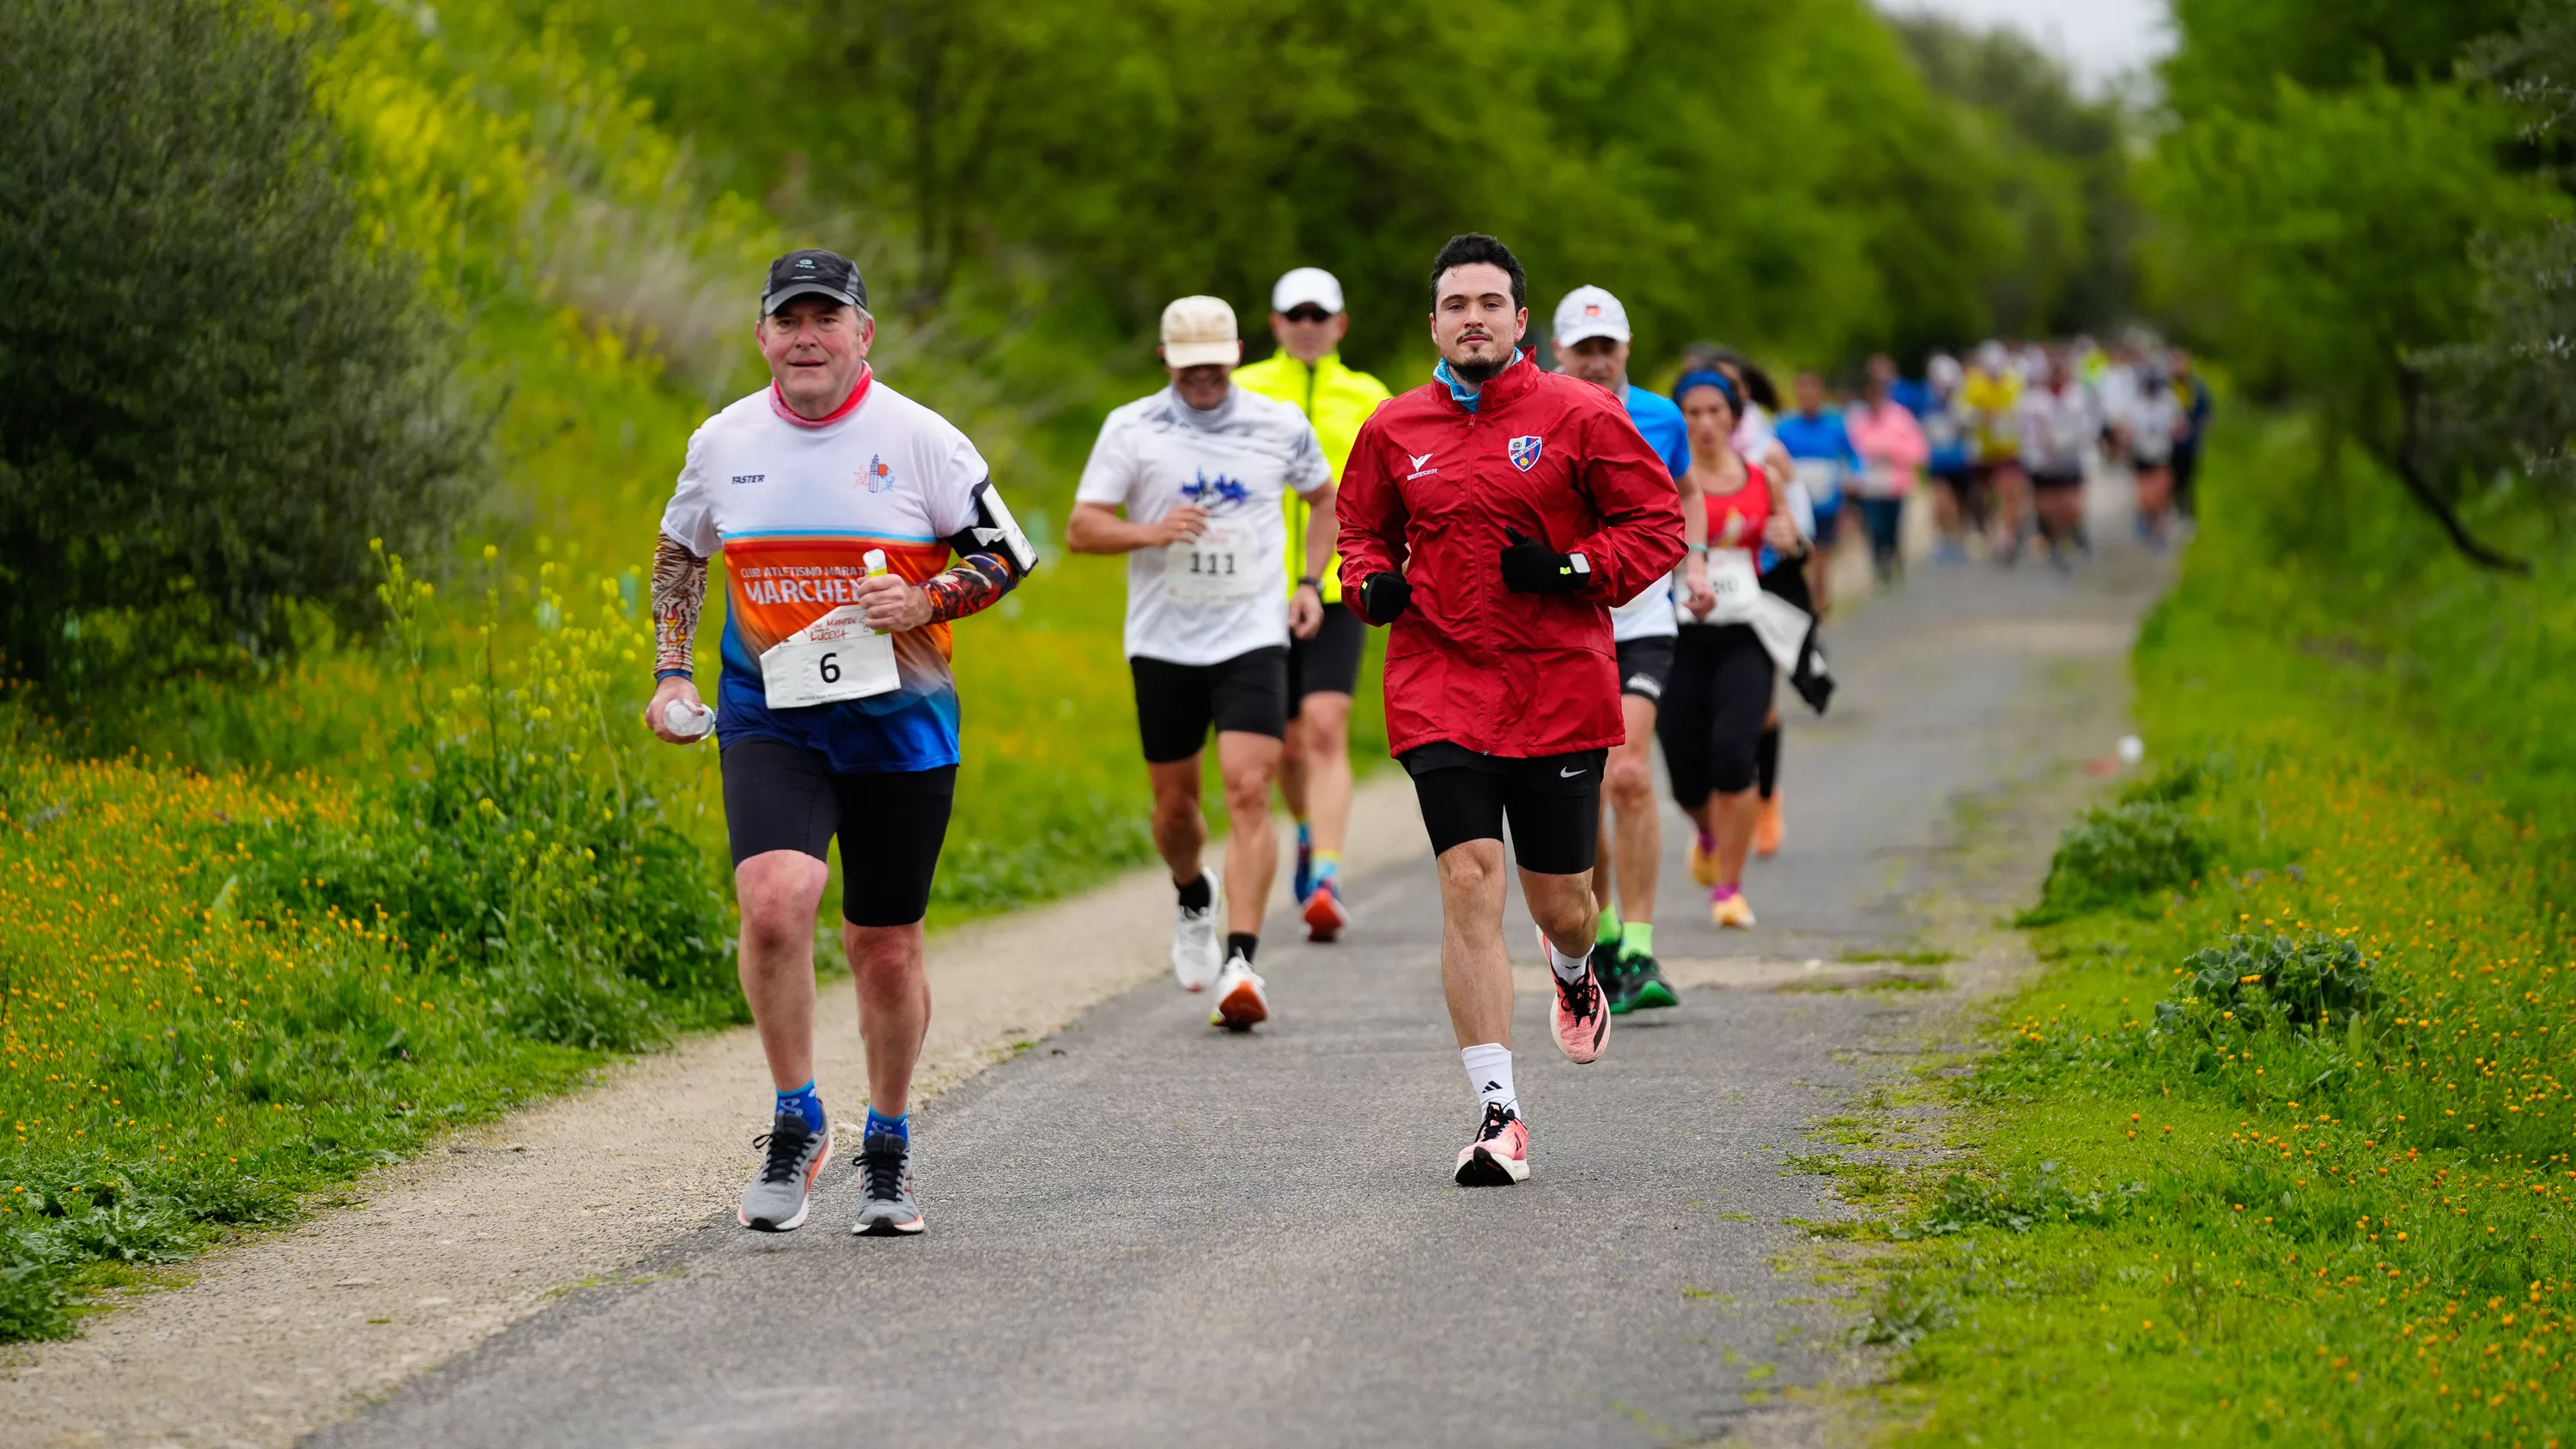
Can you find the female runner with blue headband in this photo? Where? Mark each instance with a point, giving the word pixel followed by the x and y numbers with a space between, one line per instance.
pixel 1720 693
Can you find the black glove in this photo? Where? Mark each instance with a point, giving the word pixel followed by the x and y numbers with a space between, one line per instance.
pixel 1531 567
pixel 1384 596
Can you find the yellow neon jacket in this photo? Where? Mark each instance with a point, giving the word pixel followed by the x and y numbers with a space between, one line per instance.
pixel 1336 400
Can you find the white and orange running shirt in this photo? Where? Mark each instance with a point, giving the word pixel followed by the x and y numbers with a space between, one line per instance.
pixel 796 505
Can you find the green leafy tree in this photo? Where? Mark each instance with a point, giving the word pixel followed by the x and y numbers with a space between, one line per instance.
pixel 2062 176
pixel 212 394
pixel 2324 243
pixel 1779 175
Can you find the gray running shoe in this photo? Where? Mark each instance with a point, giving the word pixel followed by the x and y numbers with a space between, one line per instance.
pixel 776 1200
pixel 885 1176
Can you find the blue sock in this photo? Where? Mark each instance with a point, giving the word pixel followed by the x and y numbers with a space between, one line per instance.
pixel 1328 865
pixel 1305 835
pixel 899 1126
pixel 804 1104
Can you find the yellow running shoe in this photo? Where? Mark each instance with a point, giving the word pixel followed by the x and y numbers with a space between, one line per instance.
pixel 1703 861
pixel 1766 830
pixel 1731 910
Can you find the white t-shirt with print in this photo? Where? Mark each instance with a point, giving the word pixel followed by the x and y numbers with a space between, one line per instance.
pixel 1226 594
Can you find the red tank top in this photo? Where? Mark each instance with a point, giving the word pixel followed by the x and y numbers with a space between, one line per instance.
pixel 1735 519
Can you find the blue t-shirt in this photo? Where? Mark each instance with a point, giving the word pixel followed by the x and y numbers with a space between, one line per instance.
pixel 1660 420
pixel 1820 440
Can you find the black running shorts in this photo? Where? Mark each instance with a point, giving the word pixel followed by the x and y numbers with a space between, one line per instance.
pixel 1646 666
pixel 779 796
pixel 1329 663
pixel 1553 803
pixel 1176 704
pixel 1712 716
pixel 2057 478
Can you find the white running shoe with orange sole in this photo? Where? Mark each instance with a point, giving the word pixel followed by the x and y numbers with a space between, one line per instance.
pixel 1326 917
pixel 1240 1004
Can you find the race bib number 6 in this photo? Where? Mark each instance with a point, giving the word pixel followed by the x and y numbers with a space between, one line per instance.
pixel 835 658
pixel 1221 566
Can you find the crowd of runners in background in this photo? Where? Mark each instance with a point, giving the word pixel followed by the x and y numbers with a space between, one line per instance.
pixel 1575 573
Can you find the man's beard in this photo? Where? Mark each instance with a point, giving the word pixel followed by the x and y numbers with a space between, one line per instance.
pixel 1477 374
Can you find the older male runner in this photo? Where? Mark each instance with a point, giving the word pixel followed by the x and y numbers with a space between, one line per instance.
pixel 1592 340
pixel 839 504
pixel 1491 518
pixel 1307 372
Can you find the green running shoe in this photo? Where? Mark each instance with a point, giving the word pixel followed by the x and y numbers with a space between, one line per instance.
pixel 1618 983
pixel 1647 988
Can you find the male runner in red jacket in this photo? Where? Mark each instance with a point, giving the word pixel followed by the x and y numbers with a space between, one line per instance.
pixel 1491 518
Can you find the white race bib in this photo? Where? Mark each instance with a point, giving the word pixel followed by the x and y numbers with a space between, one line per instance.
pixel 836 657
pixel 1220 567
pixel 1823 477
pixel 1737 586
pixel 1879 481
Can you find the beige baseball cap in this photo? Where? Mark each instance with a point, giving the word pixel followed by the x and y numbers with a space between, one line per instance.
pixel 1201 330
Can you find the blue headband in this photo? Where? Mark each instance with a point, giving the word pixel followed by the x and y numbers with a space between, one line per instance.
pixel 1703 377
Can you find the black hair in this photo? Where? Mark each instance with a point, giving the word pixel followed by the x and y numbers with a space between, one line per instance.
pixel 1474 248
pixel 1757 383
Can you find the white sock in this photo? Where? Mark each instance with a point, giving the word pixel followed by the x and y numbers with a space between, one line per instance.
pixel 1489 1073
pixel 1567 968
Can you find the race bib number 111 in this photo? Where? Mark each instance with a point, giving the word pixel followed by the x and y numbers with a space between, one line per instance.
pixel 1220 566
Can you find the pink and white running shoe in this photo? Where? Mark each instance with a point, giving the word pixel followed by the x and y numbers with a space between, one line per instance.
pixel 1578 1011
pixel 1499 1156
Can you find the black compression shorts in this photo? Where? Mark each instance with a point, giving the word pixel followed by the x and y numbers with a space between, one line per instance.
pixel 1553 803
pixel 1646 666
pixel 1329 663
pixel 2056 478
pixel 779 796
pixel 1712 715
pixel 1176 704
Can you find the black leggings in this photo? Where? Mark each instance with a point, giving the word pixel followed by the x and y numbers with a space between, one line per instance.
pixel 1712 712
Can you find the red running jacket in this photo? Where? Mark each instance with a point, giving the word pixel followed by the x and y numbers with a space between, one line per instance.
pixel 1428 491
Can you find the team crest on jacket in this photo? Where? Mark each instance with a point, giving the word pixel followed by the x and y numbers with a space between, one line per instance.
pixel 1524 452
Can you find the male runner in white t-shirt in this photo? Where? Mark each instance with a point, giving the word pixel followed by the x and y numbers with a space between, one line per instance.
pixel 1199 469
pixel 839 504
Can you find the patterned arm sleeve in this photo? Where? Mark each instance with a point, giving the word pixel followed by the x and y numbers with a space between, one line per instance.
pixel 976 582
pixel 679 592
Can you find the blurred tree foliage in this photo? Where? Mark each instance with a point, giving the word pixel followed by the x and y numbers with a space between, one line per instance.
pixel 1781 176
pixel 212 393
pixel 2342 200
pixel 2065 184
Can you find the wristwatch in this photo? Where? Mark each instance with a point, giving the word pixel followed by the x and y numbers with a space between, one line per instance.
pixel 1311 582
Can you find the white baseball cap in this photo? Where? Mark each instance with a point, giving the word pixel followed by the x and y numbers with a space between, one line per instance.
pixel 1589 312
pixel 1306 284
pixel 1200 330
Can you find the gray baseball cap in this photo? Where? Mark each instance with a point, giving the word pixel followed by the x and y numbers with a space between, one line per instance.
pixel 813 272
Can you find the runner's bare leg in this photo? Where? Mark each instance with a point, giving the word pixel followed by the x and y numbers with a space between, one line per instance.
pixel 779 892
pixel 894 1007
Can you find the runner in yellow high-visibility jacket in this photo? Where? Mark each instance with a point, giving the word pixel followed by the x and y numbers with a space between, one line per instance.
pixel 1306 317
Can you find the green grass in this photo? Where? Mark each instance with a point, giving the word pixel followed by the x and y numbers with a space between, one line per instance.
pixel 2276 1148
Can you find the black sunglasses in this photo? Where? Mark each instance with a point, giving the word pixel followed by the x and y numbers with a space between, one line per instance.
pixel 1306 312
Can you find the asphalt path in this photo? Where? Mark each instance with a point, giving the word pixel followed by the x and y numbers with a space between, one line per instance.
pixel 1145 1232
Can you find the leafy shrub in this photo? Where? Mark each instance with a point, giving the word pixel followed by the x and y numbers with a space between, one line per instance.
pixel 212 390
pixel 525 851
pixel 2150 840
pixel 2308 982
pixel 2023 1198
